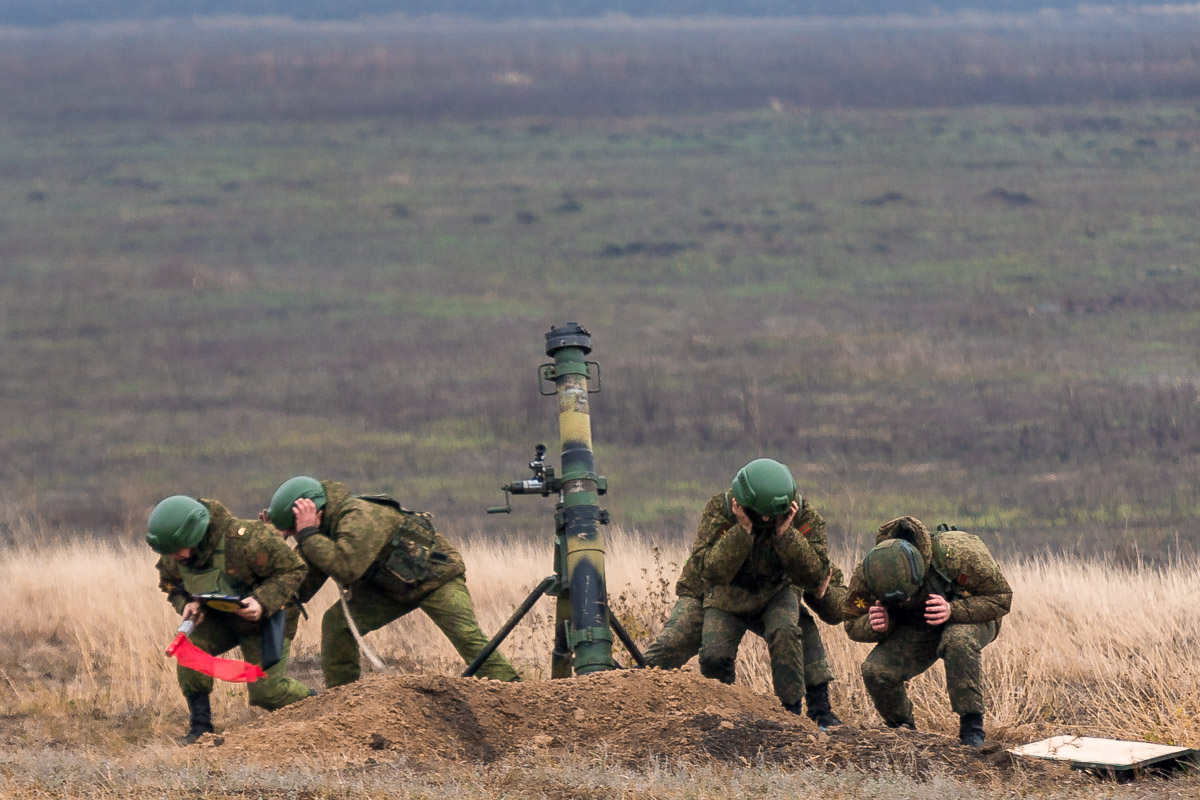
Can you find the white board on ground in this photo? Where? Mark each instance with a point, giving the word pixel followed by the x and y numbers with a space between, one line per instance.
pixel 1088 752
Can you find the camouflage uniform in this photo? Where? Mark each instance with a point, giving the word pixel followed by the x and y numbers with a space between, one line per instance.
pixel 681 636
pixel 391 561
pixel 753 582
pixel 679 639
pixel 259 564
pixel 958 567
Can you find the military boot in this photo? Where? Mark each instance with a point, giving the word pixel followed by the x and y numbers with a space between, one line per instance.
pixel 970 730
pixel 201 722
pixel 909 723
pixel 819 710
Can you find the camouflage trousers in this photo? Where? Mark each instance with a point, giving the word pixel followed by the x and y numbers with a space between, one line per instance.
pixel 219 633
pixel 449 606
pixel 907 652
pixel 681 637
pixel 778 624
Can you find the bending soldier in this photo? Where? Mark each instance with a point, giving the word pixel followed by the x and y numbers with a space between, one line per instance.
pixel 389 559
pixel 206 551
pixel 921 597
pixel 759 547
pixel 681 636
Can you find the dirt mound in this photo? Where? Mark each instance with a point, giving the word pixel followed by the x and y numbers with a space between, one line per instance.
pixel 632 716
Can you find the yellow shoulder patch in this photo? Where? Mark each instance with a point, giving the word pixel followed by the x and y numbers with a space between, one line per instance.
pixel 241 532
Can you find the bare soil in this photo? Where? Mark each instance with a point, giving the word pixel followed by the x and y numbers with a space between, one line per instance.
pixel 631 716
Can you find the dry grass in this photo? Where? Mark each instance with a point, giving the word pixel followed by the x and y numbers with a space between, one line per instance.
pixel 88 704
pixel 1089 646
pixel 570 776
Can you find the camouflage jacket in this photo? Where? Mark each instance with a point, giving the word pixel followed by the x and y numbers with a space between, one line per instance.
pixel 257 560
pixel 958 566
pixel 740 571
pixel 372 539
pixel 829 607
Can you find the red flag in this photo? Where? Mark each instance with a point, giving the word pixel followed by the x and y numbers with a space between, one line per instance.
pixel 225 669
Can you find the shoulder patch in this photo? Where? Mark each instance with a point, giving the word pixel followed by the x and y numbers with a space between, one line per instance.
pixel 261 561
pixel 241 532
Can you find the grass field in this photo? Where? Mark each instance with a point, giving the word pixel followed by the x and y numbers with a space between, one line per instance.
pixel 1090 648
pixel 986 316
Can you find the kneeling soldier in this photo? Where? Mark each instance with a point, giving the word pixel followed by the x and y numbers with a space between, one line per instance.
pixel 922 597
pixel 391 561
pixel 207 552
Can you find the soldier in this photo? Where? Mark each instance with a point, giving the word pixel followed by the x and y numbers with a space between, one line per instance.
pixel 246 569
pixel 922 597
pixel 390 560
pixel 759 547
pixel 681 636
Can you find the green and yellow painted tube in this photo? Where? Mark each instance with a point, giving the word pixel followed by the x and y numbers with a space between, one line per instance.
pixel 587 631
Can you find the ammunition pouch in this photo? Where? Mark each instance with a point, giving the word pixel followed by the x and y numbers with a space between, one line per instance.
pixel 409 558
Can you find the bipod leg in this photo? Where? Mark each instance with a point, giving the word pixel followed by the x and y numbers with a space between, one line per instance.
pixel 507 627
pixel 626 640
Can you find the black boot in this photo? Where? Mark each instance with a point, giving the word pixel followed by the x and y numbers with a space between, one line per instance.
pixel 970 730
pixel 909 723
pixel 819 711
pixel 201 722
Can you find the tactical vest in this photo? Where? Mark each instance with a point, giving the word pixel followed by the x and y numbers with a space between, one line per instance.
pixel 407 560
pixel 213 580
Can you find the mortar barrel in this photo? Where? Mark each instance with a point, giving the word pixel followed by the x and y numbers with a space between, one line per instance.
pixel 589 635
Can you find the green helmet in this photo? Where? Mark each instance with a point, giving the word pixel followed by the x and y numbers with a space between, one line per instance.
pixel 765 487
pixel 894 570
pixel 286 496
pixel 176 523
